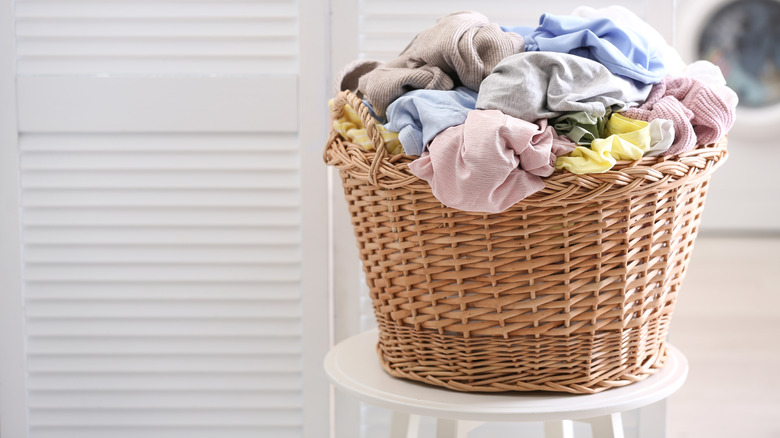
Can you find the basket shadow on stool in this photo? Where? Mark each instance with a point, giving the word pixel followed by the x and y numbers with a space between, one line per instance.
pixel 571 289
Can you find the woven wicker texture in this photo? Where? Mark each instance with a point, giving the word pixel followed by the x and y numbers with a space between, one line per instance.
pixel 571 289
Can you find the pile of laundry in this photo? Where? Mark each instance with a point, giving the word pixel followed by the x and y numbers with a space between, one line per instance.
pixel 491 110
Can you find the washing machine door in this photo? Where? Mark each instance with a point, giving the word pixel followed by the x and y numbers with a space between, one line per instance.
pixel 743 38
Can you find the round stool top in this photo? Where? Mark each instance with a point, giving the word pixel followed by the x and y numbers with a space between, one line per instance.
pixel 354 367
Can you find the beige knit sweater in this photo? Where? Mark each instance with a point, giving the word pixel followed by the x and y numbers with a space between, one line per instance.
pixel 461 48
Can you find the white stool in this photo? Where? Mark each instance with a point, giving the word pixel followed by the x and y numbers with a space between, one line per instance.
pixel 353 366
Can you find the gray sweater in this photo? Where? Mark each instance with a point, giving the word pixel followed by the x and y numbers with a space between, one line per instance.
pixel 541 85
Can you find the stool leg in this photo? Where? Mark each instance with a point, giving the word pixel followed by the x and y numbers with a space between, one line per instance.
pixel 559 429
pixel 454 428
pixel 652 421
pixel 607 426
pixel 404 425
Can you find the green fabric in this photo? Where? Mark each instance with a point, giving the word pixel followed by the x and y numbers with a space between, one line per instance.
pixel 580 127
pixel 628 139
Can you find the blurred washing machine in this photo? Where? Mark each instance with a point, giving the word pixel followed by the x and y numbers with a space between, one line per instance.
pixel 742 37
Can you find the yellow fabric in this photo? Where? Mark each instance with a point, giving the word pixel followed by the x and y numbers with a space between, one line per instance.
pixel 351 128
pixel 627 139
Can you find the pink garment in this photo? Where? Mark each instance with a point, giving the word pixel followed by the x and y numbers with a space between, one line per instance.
pixel 700 115
pixel 490 162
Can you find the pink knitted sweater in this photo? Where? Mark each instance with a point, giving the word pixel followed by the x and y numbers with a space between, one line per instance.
pixel 700 116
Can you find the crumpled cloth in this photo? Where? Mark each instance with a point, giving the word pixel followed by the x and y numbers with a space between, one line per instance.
pixel 624 51
pixel 351 128
pixel 626 139
pixel 543 85
pixel 699 115
pixel 490 162
pixel 419 115
pixel 461 48
pixel 347 78
pixel 580 127
pixel 667 54
pixel 711 75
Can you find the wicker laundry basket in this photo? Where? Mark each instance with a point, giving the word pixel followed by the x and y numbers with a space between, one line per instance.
pixel 571 289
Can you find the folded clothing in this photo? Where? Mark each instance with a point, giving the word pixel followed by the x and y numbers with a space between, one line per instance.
pixel 490 162
pixel 460 49
pixel 627 139
pixel 352 129
pixel 419 115
pixel 543 85
pixel 622 50
pixel 700 115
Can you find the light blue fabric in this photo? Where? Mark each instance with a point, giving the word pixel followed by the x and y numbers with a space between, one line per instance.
pixel 419 115
pixel 624 52
pixel 521 30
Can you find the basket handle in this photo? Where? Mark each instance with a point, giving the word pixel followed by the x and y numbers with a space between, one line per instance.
pixel 347 97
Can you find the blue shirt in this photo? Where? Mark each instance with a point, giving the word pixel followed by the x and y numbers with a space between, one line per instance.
pixel 623 51
pixel 419 115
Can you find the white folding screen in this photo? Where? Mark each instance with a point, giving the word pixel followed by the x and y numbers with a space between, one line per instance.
pixel 163 219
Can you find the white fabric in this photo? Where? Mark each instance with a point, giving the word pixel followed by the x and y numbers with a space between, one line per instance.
pixel 661 137
pixel 711 75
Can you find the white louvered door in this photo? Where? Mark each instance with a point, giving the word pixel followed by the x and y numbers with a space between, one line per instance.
pixel 164 222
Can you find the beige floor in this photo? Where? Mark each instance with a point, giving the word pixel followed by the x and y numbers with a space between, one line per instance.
pixel 727 322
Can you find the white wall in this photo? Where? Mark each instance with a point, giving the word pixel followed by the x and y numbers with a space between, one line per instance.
pixel 745 193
